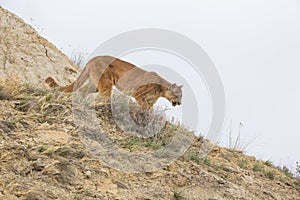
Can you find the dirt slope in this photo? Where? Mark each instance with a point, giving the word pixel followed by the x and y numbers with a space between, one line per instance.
pixel 42 156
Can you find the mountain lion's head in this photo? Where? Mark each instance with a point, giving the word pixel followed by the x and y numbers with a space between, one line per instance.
pixel 174 94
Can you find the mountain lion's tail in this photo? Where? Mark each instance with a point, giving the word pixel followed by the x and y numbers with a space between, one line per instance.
pixel 75 85
pixel 52 83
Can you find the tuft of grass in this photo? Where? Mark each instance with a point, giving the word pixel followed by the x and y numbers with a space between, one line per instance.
pixel 297 168
pixel 269 163
pixel 258 167
pixel 287 172
pixel 177 194
pixel 282 179
pixel 4 94
pixel 64 151
pixel 207 161
pixel 242 164
pixel 42 149
pixel 200 138
pixel 131 143
pixel 50 153
pixel 24 104
pixel 270 174
pixel 24 101
pixel 27 88
pixel 226 175
pixel 49 97
pixel 195 157
pixel 153 145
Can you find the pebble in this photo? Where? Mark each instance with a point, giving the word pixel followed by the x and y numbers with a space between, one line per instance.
pixel 38 165
pixel 88 174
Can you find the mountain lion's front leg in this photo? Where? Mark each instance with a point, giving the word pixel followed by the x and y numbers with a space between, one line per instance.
pixel 143 103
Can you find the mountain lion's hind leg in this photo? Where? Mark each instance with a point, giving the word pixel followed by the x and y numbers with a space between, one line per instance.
pixel 88 88
pixel 105 85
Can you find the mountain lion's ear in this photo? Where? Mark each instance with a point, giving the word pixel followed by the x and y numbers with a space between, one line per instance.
pixel 171 86
pixel 180 86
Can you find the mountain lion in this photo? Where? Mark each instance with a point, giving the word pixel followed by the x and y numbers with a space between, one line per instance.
pixel 103 72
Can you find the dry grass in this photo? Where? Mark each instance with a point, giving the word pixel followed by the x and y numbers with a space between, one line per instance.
pixel 4 94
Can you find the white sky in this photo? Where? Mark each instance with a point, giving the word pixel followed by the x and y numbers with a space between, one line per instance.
pixel 254 44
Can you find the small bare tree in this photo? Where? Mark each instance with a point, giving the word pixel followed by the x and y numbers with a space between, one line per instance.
pixel 237 143
pixel 78 58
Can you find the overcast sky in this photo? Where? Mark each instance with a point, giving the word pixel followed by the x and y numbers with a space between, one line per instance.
pixel 254 44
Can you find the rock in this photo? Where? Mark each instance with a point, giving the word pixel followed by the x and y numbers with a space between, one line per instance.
pixel 88 174
pixel 107 186
pixel 248 178
pixel 6 127
pixel 38 165
pixel 25 54
pixel 34 196
pixel 230 169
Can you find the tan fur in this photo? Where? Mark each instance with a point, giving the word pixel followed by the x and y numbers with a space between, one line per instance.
pixel 103 72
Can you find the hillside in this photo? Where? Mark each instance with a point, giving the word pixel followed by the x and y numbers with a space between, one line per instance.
pixel 42 155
